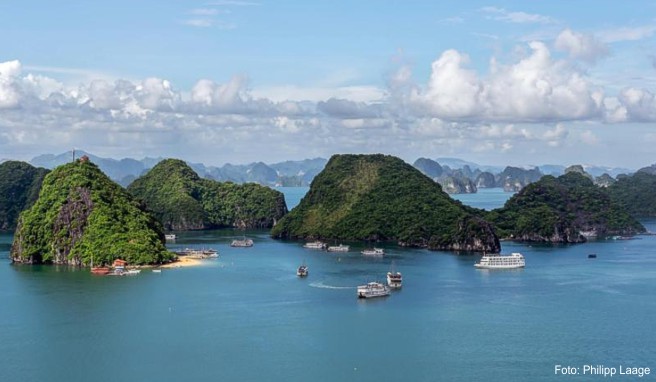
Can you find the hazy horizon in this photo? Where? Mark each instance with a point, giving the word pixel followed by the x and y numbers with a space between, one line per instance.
pixel 226 81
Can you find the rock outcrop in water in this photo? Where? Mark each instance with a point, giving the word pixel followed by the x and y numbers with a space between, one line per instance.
pixel 82 217
pixel 20 183
pixel 382 198
pixel 181 200
pixel 566 209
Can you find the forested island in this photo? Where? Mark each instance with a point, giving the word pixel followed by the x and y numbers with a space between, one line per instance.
pixel 181 200
pixel 567 209
pixel 81 217
pixel 382 198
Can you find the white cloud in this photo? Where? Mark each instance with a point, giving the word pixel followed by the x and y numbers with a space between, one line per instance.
pixel 452 91
pixel 580 46
pixel 9 95
pixel 627 33
pixel 637 105
pixel 363 93
pixel 536 88
pixel 456 109
pixel 496 13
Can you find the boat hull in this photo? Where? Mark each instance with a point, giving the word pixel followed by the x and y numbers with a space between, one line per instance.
pixel 479 266
pixel 373 290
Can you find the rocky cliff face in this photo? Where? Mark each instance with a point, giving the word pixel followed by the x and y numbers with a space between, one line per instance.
pixel 457 185
pixel 485 180
pixel 82 217
pixel 513 179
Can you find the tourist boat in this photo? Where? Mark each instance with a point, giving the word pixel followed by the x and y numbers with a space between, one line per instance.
pixel 394 280
pixel 243 243
pixel 512 261
pixel 373 289
pixel 132 272
pixel 338 248
pixel 302 271
pixel 198 253
pixel 373 252
pixel 315 245
pixel 170 236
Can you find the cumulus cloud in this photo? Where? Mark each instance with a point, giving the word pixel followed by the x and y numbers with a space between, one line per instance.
pixel 523 102
pixel 453 91
pixel 637 105
pixel 9 96
pixel 536 88
pixel 580 46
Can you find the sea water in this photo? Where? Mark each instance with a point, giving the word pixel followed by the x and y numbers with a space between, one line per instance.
pixel 246 316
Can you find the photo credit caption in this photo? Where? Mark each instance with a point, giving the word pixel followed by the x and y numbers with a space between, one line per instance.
pixel 602 370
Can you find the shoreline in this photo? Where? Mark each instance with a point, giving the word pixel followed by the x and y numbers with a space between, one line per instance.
pixel 182 261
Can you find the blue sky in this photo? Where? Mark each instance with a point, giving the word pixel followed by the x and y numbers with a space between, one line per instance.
pixel 503 82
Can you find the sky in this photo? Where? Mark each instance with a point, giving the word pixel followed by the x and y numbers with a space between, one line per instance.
pixel 237 81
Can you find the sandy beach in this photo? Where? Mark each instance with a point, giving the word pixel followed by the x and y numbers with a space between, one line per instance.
pixel 182 262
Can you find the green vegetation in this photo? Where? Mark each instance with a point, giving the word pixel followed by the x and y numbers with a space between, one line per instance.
pixel 636 193
pixel 181 200
pixel 560 209
pixel 82 217
pixel 20 183
pixel 378 197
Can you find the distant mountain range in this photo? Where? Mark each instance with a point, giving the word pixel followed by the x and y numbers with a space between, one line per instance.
pixel 126 170
pixel 455 175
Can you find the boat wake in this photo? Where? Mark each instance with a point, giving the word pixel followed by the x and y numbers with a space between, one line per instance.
pixel 324 286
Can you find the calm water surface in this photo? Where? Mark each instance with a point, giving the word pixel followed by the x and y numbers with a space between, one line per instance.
pixel 247 317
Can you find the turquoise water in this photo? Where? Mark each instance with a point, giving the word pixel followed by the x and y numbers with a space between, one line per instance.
pixel 247 317
pixel 485 198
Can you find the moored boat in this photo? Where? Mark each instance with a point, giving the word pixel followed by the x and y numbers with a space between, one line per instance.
pixel 302 271
pixel 170 237
pixel 373 252
pixel 338 248
pixel 242 243
pixel 512 261
pixel 315 245
pixel 373 289
pixel 198 253
pixel 100 270
pixel 394 279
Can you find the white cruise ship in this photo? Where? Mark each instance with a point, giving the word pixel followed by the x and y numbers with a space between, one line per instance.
pixel 373 252
pixel 512 261
pixel 373 289
pixel 339 248
pixel 315 245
